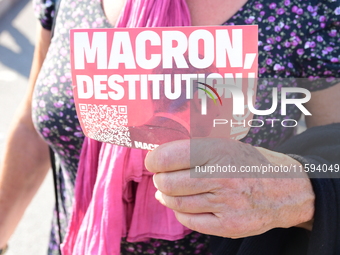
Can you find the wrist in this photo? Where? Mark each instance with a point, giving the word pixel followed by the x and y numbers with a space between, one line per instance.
pixel 300 207
pixel 308 207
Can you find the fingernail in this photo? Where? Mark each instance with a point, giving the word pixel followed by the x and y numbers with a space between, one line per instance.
pixel 154 182
pixel 159 197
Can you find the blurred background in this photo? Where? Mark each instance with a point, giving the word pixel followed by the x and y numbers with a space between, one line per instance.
pixel 17 36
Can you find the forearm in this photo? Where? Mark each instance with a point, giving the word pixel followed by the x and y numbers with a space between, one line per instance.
pixel 25 161
pixel 23 169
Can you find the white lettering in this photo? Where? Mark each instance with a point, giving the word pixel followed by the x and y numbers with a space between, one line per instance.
pixel 171 52
pixel 297 101
pixel 84 86
pixel 121 51
pixel 118 90
pixel 208 48
pixel 232 49
pixel 141 57
pixel 82 49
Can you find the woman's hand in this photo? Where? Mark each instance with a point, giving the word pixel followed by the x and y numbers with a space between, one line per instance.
pixel 229 207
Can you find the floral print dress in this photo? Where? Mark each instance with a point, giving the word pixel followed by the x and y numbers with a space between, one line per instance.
pixel 297 39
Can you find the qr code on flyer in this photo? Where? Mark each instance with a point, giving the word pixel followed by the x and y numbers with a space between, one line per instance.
pixel 106 123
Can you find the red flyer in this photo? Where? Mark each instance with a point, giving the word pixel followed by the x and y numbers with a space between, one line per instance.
pixel 141 87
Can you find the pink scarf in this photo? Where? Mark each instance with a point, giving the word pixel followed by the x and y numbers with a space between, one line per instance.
pixel 114 193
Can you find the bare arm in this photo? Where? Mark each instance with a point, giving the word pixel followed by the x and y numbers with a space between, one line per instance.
pixel 26 161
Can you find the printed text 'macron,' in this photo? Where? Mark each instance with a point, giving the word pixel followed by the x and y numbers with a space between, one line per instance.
pixel 222 49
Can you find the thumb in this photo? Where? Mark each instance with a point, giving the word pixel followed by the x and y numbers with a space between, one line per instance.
pixel 180 155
